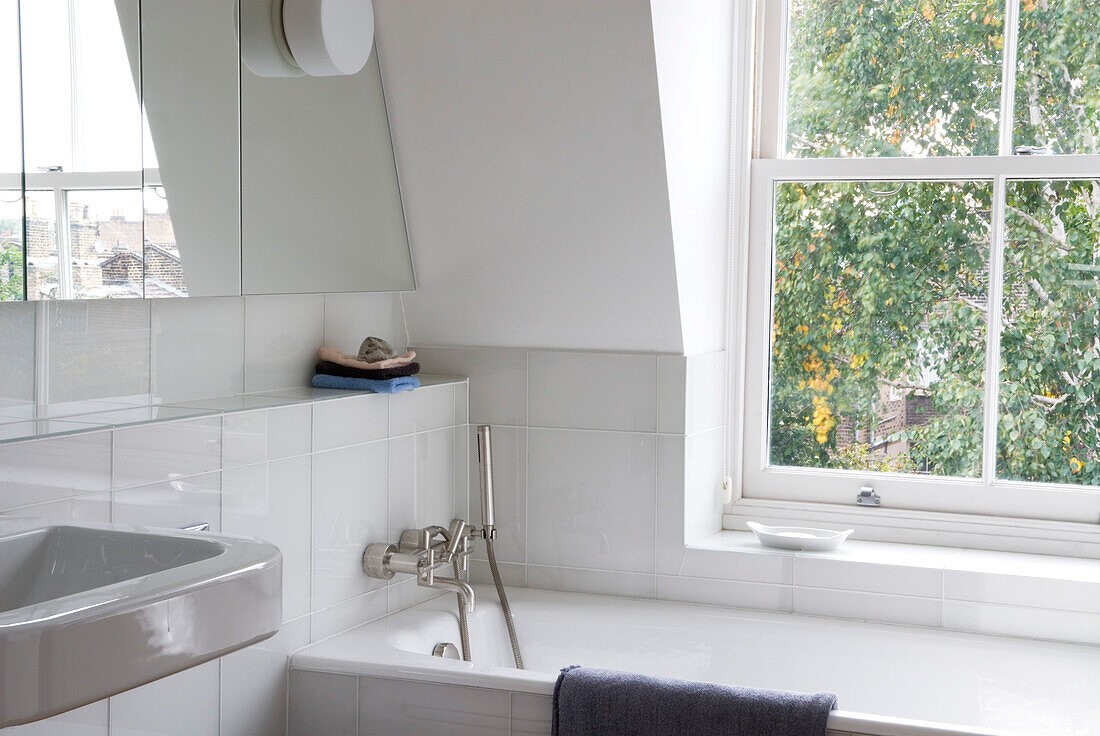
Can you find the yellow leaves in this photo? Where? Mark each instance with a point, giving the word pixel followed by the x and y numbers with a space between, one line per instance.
pixel 894 89
pixel 998 42
pixel 1068 438
pixel 812 365
pixel 1027 7
pixel 823 420
pixel 859 359
pixel 928 11
pixel 859 10
pixel 1075 465
pixel 837 325
pixel 802 330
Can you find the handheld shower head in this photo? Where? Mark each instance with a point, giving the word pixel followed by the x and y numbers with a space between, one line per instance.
pixel 485 464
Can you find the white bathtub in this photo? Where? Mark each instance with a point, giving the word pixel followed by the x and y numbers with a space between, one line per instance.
pixel 890 680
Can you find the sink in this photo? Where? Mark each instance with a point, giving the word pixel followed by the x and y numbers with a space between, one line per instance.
pixel 89 611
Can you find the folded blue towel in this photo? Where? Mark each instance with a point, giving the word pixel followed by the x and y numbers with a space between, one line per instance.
pixel 391 386
pixel 593 702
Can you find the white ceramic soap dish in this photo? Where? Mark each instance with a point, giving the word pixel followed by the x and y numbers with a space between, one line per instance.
pixel 799 537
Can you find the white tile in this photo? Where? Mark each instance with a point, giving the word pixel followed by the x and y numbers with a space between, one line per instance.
pixel 671 393
pixel 250 437
pixel 749 564
pixel 705 395
pixel 281 338
pixel 428 407
pixel 98 349
pixel 498 380
pixel 703 460
pixel 350 421
pixel 592 391
pixel 171 504
pixel 254 683
pixel 53 469
pixel 17 335
pixel 509 490
pixel 351 318
pixel 1040 566
pixel 462 402
pixel 1022 590
pixel 406 593
pixel 91 509
pixel 670 503
pixel 322 703
pixel 823 572
pixel 593 494
pixel 271 501
pixel 1037 623
pixel 422 478
pixel 155 452
pixel 600 582
pixel 197 348
pixel 349 512
pixel 418 708
pixel 897 609
pixel 532 715
pixel 183 704
pixel 462 471
pixel 732 593
pixel 348 614
pixel 91 720
pixel 511 573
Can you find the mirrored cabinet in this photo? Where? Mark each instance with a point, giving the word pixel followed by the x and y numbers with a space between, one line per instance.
pixel 139 158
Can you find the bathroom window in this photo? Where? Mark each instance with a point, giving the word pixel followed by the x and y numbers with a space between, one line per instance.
pixel 924 256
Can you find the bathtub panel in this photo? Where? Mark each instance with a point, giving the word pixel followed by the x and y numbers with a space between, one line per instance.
pixel 531 714
pixel 322 703
pixel 424 709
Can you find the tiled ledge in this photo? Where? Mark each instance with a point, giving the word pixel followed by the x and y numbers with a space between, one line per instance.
pixel 1034 596
pixel 23 423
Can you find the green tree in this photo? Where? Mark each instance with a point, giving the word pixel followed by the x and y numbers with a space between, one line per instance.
pixel 883 287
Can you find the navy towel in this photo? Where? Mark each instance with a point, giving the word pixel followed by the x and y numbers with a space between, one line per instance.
pixel 594 702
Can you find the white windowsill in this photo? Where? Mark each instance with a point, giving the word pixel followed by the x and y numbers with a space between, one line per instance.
pixel 981 591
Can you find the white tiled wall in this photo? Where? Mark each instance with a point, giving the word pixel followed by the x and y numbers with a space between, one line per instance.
pixel 592 456
pixel 318 478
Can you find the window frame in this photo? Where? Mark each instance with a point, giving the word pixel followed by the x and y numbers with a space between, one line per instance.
pixel 831 494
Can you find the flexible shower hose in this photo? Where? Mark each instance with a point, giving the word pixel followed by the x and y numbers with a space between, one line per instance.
pixel 504 604
pixel 464 624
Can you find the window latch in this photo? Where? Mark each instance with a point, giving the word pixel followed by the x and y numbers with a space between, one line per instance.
pixel 868 497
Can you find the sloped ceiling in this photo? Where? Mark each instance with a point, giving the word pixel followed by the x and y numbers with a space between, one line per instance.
pixel 528 136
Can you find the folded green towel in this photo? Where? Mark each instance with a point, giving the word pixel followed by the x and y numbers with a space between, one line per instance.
pixel 392 386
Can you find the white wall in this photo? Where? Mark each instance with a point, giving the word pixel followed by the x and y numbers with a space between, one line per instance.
pixel 694 40
pixel 528 138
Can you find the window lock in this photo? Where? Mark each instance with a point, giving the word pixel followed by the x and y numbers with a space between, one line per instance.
pixel 868 497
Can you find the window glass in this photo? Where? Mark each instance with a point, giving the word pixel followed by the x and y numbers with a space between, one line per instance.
pixel 878 326
pixel 1049 423
pixel 1058 76
pixel 894 78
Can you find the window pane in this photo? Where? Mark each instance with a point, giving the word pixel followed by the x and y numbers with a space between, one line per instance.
pixel 1058 76
pixel 11 245
pixel 107 236
pixel 878 347
pixel 894 78
pixel 42 272
pixel 1049 423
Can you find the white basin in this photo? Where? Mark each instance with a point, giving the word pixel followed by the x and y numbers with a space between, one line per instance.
pixel 89 611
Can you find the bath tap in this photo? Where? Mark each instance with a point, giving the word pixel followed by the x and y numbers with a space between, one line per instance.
pixel 420 552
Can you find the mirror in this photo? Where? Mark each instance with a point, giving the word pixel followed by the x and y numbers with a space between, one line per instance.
pixel 146 161
pixel 11 156
pixel 321 202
